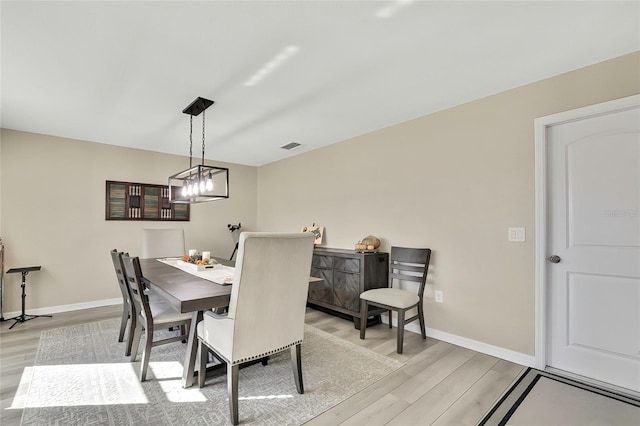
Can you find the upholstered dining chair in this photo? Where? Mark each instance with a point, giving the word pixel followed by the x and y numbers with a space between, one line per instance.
pixel 406 264
pixel 150 317
pixel 266 310
pixel 162 243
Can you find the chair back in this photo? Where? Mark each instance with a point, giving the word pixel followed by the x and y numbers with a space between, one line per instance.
pixel 269 293
pixel 409 264
pixel 162 243
pixel 133 275
pixel 116 258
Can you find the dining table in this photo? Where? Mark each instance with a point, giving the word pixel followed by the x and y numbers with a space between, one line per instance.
pixel 186 293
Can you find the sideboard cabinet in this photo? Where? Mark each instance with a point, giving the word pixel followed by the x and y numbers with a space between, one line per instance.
pixel 346 274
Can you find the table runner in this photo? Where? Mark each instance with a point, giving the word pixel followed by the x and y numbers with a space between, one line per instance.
pixel 219 274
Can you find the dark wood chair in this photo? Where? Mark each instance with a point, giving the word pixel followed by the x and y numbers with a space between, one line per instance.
pixel 150 316
pixel 406 264
pixel 127 314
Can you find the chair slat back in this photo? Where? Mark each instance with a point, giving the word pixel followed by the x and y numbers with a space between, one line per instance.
pixel 133 275
pixel 269 293
pixel 116 258
pixel 409 264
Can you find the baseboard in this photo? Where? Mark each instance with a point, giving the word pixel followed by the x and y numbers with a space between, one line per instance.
pixel 485 348
pixel 66 308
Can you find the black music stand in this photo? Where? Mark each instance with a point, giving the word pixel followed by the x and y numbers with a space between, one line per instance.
pixel 23 317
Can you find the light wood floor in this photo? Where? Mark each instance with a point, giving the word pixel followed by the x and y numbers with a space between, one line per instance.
pixel 440 383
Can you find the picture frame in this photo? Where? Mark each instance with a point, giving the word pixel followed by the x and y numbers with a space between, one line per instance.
pixel 317 231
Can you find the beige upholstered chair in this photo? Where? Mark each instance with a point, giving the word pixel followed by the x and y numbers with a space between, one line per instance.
pixel 162 243
pixel 407 264
pixel 267 307
pixel 150 316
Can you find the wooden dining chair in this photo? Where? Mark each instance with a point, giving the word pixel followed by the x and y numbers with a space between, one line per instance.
pixel 406 264
pixel 266 310
pixel 150 317
pixel 127 313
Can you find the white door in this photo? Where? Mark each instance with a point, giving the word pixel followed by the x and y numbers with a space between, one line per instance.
pixel 593 229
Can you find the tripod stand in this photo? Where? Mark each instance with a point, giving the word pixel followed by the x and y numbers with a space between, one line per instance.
pixel 23 317
pixel 235 234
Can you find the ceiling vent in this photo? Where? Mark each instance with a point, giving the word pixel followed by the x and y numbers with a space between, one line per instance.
pixel 291 146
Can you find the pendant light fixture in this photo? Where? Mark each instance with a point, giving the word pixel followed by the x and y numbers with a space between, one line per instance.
pixel 199 183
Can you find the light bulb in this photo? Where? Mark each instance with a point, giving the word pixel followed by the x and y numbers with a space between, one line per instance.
pixel 209 184
pixel 202 186
pixel 195 188
pixel 184 190
pixel 189 190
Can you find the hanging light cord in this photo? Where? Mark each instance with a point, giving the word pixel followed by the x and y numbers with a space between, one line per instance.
pixel 203 138
pixel 190 138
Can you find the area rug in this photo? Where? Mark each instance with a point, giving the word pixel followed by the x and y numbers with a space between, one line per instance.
pixel 542 398
pixel 81 377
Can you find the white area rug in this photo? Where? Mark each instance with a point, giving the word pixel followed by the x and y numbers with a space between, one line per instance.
pixel 81 377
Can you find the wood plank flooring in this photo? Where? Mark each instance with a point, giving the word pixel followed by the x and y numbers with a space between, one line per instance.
pixel 440 383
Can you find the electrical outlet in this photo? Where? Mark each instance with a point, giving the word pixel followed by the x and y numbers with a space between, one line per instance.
pixel 438 295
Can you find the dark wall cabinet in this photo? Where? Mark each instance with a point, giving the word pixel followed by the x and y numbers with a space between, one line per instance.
pixel 346 274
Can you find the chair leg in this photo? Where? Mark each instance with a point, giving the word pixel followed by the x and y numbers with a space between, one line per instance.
pixel 202 371
pixel 132 328
pixel 136 342
pixel 400 330
pixel 363 317
pixel 147 352
pixel 296 364
pixel 123 322
pixel 232 390
pixel 421 319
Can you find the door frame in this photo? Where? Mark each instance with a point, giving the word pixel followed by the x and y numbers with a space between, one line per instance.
pixel 541 265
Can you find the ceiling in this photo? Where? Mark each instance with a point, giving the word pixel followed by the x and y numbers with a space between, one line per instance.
pixel 311 72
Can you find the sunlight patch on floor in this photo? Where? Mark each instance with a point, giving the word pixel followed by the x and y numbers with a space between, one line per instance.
pixel 100 384
pixel 257 397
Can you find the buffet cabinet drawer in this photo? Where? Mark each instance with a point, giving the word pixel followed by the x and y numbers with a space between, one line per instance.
pixel 346 275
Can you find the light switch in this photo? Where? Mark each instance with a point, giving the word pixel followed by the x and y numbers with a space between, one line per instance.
pixel 516 234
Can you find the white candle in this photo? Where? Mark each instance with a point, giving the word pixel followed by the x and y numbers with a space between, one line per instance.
pixel 192 252
pixel 206 255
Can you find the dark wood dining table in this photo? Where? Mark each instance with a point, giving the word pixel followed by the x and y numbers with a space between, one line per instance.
pixel 186 292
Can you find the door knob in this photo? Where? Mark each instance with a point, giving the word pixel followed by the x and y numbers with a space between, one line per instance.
pixel 555 259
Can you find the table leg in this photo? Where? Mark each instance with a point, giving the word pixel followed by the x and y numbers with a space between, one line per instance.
pixel 192 351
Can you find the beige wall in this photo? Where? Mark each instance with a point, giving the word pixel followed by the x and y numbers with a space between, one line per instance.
pixel 53 207
pixel 453 181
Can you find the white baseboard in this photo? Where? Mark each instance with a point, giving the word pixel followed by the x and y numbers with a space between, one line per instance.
pixel 485 348
pixel 66 308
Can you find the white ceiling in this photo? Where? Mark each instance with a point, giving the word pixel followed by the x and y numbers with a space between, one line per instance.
pixel 121 72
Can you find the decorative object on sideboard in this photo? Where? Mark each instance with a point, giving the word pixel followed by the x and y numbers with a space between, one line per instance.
pixel 368 244
pixel 202 182
pixel 317 231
